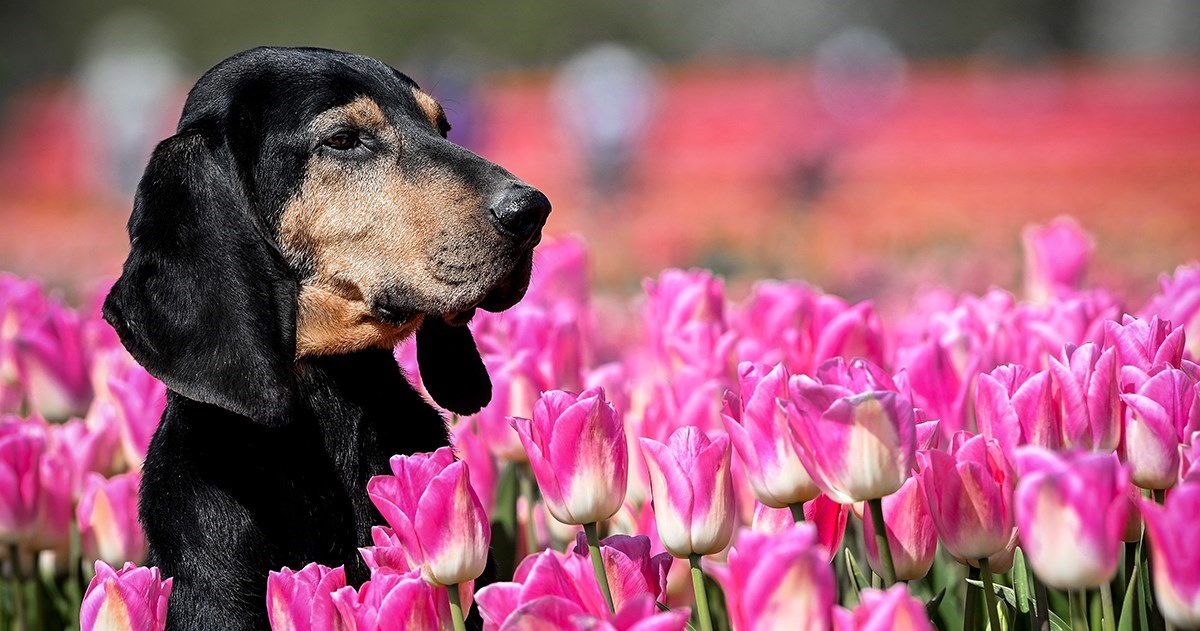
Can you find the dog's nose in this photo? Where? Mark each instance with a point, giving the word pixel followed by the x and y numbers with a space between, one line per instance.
pixel 519 212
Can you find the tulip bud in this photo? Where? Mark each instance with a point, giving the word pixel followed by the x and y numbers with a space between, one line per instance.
pixel 435 515
pixel 302 600
pixel 969 495
pixel 1071 513
pixel 911 534
pixel 108 519
pixel 858 448
pixel 778 581
pixel 130 599
pixel 1174 531
pixel 693 491
pixel 764 439
pixel 894 609
pixel 577 449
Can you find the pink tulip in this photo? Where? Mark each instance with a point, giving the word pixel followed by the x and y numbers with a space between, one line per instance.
pixel 1158 417
pixel 693 491
pixel 969 494
pixel 471 446
pixel 1178 301
pixel 678 298
pixel 516 386
pixel 1189 460
pixel 134 398
pixel 632 571
pixel 774 324
pixel 561 276
pixel 1146 345
pixel 826 515
pixel 577 449
pixel 435 514
pixel 302 600
pixel 130 599
pixel 912 536
pixel 1071 513
pixel 1056 257
pixel 1087 381
pixel 841 330
pixel 1015 406
pixel 394 601
pixel 108 519
pixel 554 591
pixel 891 610
pixel 52 363
pixel 857 376
pixel 856 447
pixel 940 383
pixel 764 440
pixel 778 581
pixel 22 446
pixel 56 507
pixel 1173 532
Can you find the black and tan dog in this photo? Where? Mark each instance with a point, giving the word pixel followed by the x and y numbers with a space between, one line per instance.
pixel 308 215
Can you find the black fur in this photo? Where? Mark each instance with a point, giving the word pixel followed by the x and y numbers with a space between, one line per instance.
pixel 261 461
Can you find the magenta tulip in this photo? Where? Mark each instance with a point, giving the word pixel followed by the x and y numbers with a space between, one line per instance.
pixel 302 600
pixel 632 571
pixel 108 519
pixel 1178 301
pixel 559 592
pixel 764 440
pixel 577 449
pixel 22 446
pixel 1173 533
pixel 774 324
pixel 781 581
pixel 857 447
pixel 969 495
pixel 826 515
pixel 53 363
pixel 1158 417
pixel 435 514
pixel 130 599
pixel 842 330
pixel 1144 344
pixel 692 488
pixel 912 536
pixel 1071 512
pixel 891 610
pixel 394 601
pixel 136 401
pixel 516 384
pixel 1015 406
pixel 1087 381
pixel 1056 257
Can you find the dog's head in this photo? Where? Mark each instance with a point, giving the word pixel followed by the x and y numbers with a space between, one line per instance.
pixel 310 204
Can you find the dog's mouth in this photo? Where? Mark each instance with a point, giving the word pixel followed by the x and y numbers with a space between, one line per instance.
pixel 502 295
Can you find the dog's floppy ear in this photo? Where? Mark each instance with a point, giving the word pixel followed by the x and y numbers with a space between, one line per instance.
pixel 451 369
pixel 205 302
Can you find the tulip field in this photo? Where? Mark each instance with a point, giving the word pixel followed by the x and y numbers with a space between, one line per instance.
pixel 1028 458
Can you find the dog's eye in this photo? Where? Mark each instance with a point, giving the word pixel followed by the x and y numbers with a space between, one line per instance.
pixel 343 140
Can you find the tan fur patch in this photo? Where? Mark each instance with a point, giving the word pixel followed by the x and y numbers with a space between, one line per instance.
pixel 432 109
pixel 365 227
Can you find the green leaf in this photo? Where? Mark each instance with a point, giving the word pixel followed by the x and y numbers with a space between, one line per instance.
pixel 931 607
pixel 1021 583
pixel 1126 621
pixel 504 524
pixel 857 581
pixel 1009 596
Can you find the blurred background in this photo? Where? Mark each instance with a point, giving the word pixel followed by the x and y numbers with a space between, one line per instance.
pixel 869 147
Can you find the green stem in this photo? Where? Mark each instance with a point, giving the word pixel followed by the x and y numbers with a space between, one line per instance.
pixel 989 594
pixel 525 481
pixel 1109 621
pixel 18 587
pixel 797 512
pixel 701 596
pixel 456 611
pixel 875 506
pixel 593 539
pixel 970 606
pixel 1078 603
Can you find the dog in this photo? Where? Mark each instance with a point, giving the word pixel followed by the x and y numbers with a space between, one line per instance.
pixel 309 214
